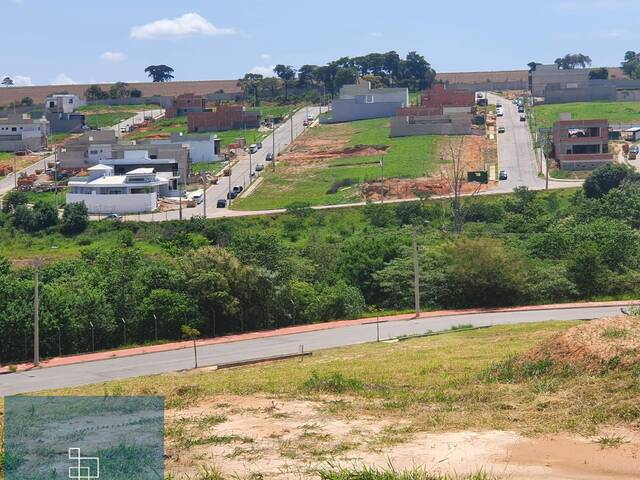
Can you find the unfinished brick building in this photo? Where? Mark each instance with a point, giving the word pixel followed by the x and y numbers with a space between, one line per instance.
pixel 440 96
pixel 184 104
pixel 223 118
pixel 581 144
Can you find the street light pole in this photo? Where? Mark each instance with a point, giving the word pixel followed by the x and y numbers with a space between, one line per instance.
pixel 36 314
pixel 273 140
pixel 382 180
pixel 250 167
pixel 155 326
pixel 204 196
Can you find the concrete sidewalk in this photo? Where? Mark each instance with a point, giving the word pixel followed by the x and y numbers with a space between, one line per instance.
pixel 127 352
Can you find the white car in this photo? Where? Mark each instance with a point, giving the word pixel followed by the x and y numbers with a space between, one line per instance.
pixel 309 118
pixel 500 112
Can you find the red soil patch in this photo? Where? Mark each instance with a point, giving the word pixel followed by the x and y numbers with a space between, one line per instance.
pixel 592 346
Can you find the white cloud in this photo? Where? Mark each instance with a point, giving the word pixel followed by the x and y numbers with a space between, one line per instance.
pixel 113 56
pixel 187 25
pixel 265 71
pixel 63 79
pixel 265 56
pixel 376 34
pixel 18 80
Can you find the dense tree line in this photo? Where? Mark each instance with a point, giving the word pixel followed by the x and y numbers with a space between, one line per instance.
pixel 382 69
pixel 241 274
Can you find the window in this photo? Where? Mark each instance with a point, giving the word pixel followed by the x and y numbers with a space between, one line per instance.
pixel 368 99
pixel 14 129
pixel 71 100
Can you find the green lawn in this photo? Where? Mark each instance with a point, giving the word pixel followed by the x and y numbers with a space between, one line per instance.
pixel 179 124
pixel 101 120
pixel 269 111
pixel 48 197
pixel 407 157
pixel 58 137
pixel 615 112
pixel 211 167
pixel 4 156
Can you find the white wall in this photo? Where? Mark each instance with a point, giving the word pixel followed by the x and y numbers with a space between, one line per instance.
pixel 131 203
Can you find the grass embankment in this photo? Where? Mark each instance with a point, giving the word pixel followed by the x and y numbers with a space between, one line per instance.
pixel 475 380
pixel 615 112
pixel 4 156
pixel 101 120
pixel 407 157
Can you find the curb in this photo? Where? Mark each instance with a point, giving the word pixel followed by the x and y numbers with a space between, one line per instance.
pixel 313 327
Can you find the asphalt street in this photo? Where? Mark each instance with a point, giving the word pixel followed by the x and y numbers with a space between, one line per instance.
pixel 240 173
pixel 170 361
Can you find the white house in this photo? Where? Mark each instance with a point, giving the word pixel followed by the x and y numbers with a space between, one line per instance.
pixel 103 192
pixel 63 103
pixel 21 132
pixel 202 148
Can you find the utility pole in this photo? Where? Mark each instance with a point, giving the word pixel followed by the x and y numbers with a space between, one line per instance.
pixel 273 139
pixel 292 115
pixel 229 195
pixel 250 167
pixel 15 173
pixel 155 326
pixel 179 194
pixel 416 273
pixel 204 198
pixel 382 180
pixel 36 314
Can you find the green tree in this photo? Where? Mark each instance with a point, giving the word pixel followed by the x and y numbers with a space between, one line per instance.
pixel 7 81
pixel 573 60
pixel 45 215
pixel 605 178
pixel 306 75
pixel 159 73
pixel 23 218
pixel 484 272
pixel 135 93
pixel 12 200
pixel 251 84
pixel 192 334
pixel 599 74
pixel 119 90
pixel 75 218
pixel 587 270
pixel 287 74
pixel 26 101
pixel 94 92
pixel 171 309
pixel 631 64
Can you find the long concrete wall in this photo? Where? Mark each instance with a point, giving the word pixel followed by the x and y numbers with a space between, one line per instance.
pixel 438 125
pixel 582 94
pixel 126 203
pixel 348 110
pixel 490 86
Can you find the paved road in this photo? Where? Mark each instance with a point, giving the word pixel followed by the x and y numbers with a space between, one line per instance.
pixel 515 152
pixel 135 120
pixel 240 173
pixel 154 363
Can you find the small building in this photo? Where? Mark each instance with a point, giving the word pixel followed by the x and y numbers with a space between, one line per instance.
pixel 136 191
pixel 202 148
pixel 361 102
pixel 441 96
pixel 581 144
pixel 434 121
pixel 545 75
pixel 223 118
pixel 184 104
pixel 63 103
pixel 20 132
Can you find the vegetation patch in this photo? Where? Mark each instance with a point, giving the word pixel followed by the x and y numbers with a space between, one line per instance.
pixel 615 112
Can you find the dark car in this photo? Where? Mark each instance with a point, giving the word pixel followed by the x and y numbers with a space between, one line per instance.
pixel 501 130
pixel 231 195
pixel 502 175
pixel 269 157
pixel 259 145
pixel 237 189
pixel 221 203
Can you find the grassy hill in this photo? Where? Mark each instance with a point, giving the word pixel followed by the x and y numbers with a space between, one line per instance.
pixel 615 112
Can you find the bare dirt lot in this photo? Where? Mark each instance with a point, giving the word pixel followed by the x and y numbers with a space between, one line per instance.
pixel 292 439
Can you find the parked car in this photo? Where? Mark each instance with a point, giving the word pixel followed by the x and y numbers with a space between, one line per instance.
pixel 259 145
pixel 115 217
pixel 269 157
pixel 635 149
pixel 221 203
pixel 253 148
pixel 523 118
pixel 305 123
pixel 501 129
pixel 498 105
pixel 309 118
pixel 231 195
pixel 520 108
pixel 502 175
pixel 237 189
pixel 500 113
pixel 259 167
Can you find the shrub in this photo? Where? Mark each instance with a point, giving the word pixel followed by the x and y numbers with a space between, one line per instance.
pixel 331 382
pixel 345 182
pixel 75 218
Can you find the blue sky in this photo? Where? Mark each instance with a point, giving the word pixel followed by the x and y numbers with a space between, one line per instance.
pixel 66 41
